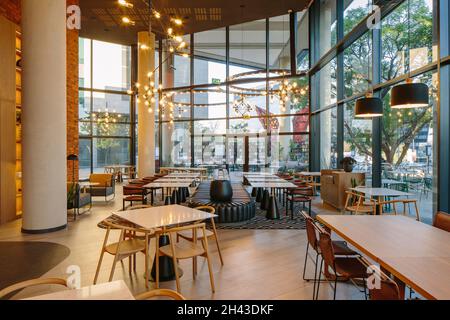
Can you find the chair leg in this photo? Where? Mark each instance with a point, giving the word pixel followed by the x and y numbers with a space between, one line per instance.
pixel 113 269
pixel 417 212
pixel 315 274
pixel 306 259
pixel 211 275
pixel 157 267
pixel 318 281
pixel 98 266
pixel 335 286
pixel 217 240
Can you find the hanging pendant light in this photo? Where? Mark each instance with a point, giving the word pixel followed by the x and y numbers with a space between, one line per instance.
pixel 369 107
pixel 410 95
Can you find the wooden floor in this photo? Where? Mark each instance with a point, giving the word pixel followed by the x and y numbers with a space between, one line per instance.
pixel 259 264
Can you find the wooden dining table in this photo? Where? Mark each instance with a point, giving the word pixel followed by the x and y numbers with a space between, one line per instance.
pixel 416 254
pixel 162 217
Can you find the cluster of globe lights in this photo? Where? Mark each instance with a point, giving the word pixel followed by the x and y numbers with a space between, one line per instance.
pixel 281 88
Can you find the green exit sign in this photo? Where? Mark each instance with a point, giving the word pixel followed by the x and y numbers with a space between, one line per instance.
pixel 216 81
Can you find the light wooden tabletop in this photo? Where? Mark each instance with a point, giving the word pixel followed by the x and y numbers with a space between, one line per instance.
pixel 381 192
pixel 393 242
pixel 164 216
pixel 116 290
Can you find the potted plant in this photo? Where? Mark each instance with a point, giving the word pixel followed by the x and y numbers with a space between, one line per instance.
pixel 348 163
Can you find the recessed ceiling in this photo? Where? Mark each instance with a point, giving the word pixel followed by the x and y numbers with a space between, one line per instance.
pixel 102 19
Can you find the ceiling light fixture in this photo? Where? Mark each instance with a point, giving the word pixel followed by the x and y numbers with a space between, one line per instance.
pixel 125 4
pixel 127 20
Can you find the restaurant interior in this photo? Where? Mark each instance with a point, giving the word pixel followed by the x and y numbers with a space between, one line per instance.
pixel 224 150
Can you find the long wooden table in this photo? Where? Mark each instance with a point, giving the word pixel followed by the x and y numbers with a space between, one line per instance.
pixel 417 254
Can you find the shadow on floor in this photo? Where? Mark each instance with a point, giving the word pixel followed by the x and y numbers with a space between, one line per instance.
pixel 25 260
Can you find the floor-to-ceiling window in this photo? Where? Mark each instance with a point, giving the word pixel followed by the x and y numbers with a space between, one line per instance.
pixel 246 102
pixel 353 57
pixel 105 108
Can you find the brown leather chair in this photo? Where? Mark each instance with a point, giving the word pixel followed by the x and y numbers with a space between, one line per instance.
pixel 340 247
pixel 300 194
pixel 388 291
pixel 442 221
pixel 134 193
pixel 346 267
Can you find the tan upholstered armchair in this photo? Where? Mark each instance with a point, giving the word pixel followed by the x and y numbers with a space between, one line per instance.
pixel 334 185
pixel 106 185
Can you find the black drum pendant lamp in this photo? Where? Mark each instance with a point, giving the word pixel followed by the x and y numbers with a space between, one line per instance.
pixel 369 107
pixel 410 95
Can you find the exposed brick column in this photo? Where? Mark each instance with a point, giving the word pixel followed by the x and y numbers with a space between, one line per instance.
pixel 11 10
pixel 72 96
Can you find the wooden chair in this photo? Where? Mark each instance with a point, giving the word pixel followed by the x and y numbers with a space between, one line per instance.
pixel 312 230
pixel 187 235
pixel 346 267
pixel 31 283
pixel 388 289
pixel 394 203
pixel 134 193
pixel 184 250
pixel 127 246
pixel 442 221
pixel 300 194
pixel 355 203
pixel 160 293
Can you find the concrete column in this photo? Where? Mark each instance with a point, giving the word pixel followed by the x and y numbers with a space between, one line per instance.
pixel 166 155
pixel 146 119
pixel 44 115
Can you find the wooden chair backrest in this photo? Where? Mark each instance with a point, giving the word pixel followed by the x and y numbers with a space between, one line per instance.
pixel 326 248
pixel 31 283
pixel 442 221
pixel 160 293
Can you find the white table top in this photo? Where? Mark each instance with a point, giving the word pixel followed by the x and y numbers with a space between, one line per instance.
pixel 270 184
pixel 169 184
pixel 390 181
pixel 116 290
pixel 175 179
pixel 88 184
pixel 183 175
pixel 381 192
pixel 312 174
pixel 249 174
pixel 182 169
pixel 157 217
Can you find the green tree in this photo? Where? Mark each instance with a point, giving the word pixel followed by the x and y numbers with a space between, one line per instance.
pixel 400 127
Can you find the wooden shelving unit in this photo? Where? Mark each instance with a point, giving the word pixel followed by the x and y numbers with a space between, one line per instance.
pixel 18 125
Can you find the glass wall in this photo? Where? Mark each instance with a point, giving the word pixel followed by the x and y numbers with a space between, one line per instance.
pixel 254 105
pixel 105 108
pixel 377 59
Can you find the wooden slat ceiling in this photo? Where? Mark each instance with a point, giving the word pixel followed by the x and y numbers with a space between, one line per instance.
pixel 102 19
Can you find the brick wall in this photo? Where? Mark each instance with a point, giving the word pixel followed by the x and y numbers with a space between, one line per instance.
pixel 72 97
pixel 11 10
